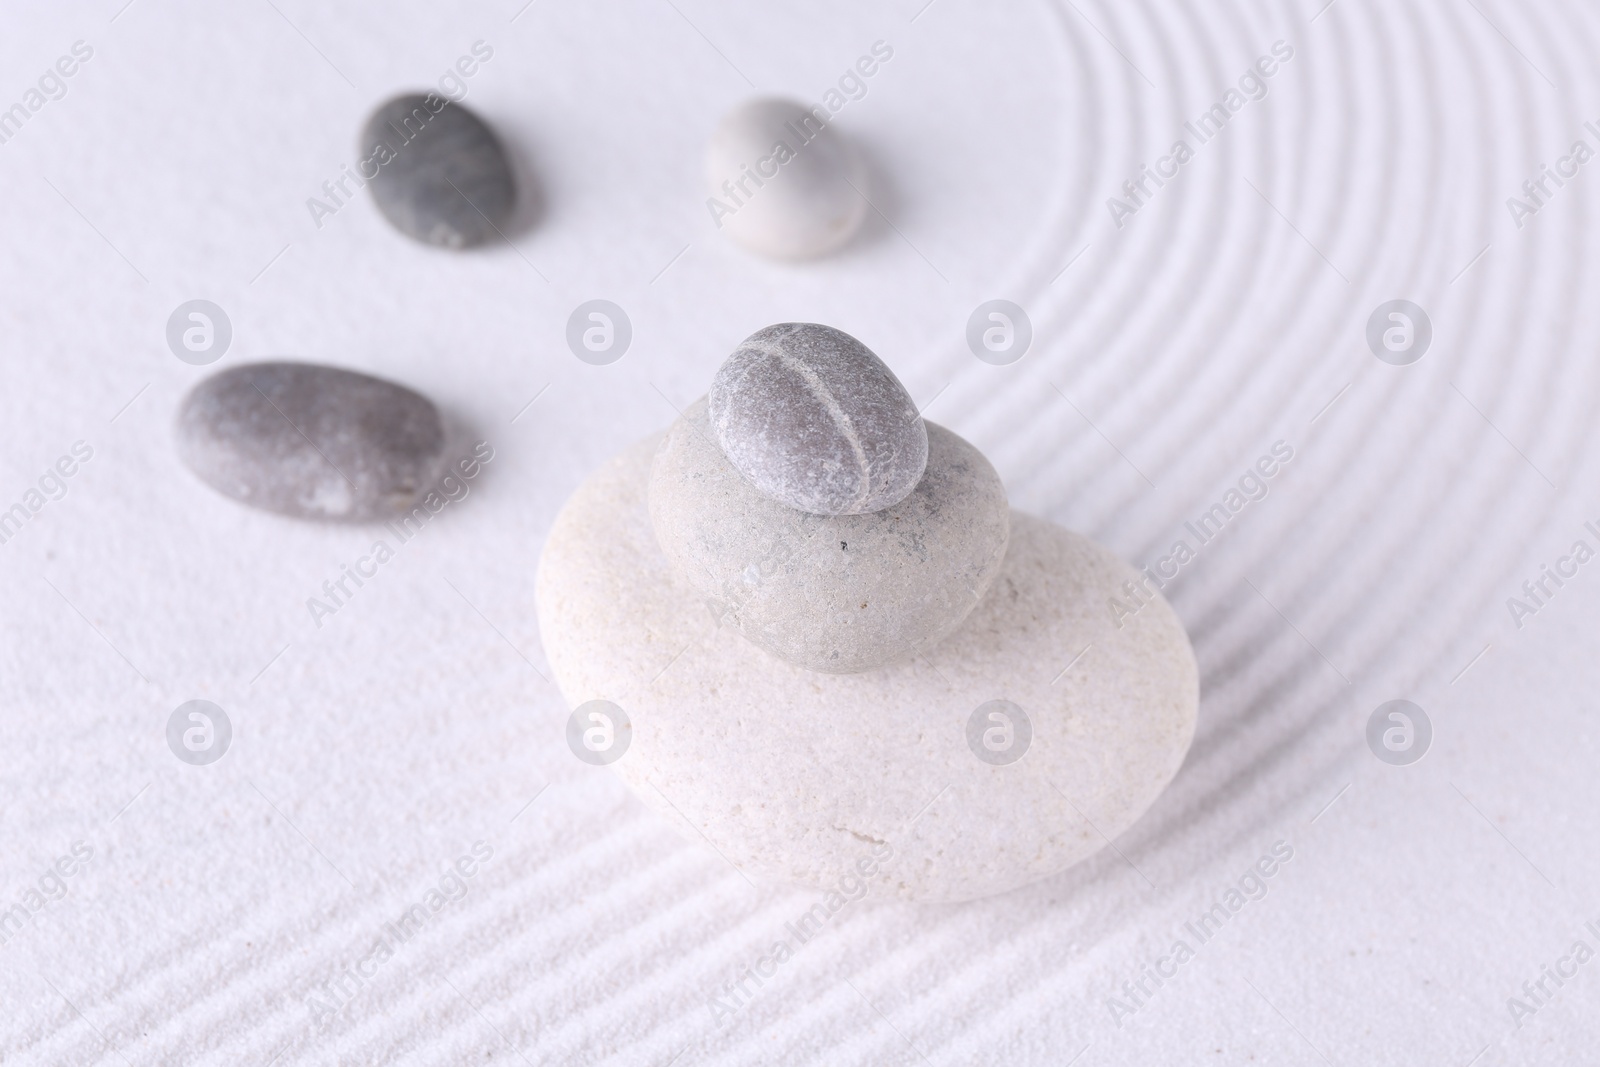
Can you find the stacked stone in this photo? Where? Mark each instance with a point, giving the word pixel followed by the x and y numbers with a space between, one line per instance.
pixel 807 500
pixel 899 679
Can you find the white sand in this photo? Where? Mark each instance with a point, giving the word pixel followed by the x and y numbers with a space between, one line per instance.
pixel 414 722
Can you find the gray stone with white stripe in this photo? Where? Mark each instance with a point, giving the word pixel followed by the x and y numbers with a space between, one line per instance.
pixel 813 419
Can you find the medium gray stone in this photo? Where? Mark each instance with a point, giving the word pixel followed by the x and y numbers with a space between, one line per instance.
pixel 833 593
pixel 443 177
pixel 816 421
pixel 311 441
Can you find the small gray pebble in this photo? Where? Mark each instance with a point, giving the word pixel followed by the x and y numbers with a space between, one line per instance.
pixel 310 441
pixel 813 419
pixel 443 177
pixel 833 593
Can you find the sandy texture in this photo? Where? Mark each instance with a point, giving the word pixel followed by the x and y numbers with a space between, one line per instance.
pixel 414 722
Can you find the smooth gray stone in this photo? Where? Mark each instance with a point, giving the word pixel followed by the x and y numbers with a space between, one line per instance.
pixel 813 419
pixel 443 176
pixel 831 593
pixel 311 441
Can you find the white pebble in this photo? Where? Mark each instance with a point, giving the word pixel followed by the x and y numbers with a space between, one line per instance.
pixel 782 182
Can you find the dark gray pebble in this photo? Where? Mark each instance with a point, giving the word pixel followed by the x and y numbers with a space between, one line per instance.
pixel 442 175
pixel 311 441
pixel 813 419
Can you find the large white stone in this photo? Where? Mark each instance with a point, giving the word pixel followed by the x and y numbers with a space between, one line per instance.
pixel 796 776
